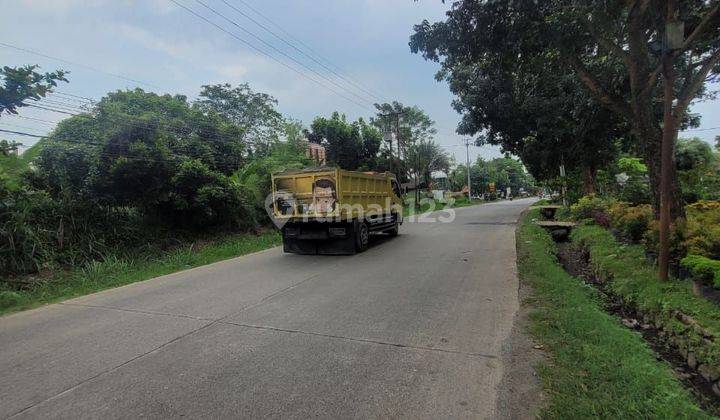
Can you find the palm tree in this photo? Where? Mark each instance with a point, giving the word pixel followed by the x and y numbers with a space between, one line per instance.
pixel 424 157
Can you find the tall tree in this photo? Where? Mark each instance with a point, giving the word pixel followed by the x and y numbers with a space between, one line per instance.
pixel 423 157
pixel 253 112
pixel 349 145
pixel 613 48
pixel 153 153
pixel 371 142
pixel 408 124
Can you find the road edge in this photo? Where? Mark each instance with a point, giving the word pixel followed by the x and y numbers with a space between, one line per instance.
pixel 520 394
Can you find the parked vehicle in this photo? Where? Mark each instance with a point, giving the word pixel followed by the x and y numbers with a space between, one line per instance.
pixel 334 211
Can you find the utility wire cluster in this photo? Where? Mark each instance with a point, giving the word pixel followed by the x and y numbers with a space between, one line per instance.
pixel 318 69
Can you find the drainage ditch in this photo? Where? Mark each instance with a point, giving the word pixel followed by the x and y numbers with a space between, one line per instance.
pixel 577 263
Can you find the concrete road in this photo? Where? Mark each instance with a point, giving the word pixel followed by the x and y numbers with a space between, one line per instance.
pixel 411 328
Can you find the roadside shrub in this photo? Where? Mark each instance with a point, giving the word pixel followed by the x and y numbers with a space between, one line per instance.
pixel 702 235
pixel 9 298
pixel 201 197
pixel 703 268
pixel 631 221
pixel 587 206
pixel 616 211
pixel 636 187
pixel 601 218
pixel 103 271
pixel 651 239
pixel 25 242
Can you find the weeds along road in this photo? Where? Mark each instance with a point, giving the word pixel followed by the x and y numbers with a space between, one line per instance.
pixel 413 327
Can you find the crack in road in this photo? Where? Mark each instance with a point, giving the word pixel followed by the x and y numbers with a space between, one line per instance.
pixel 138 311
pixel 429 233
pixel 360 340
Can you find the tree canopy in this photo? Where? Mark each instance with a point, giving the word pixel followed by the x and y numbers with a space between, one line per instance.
pixel 350 145
pixel 254 114
pixel 490 50
pixel 22 83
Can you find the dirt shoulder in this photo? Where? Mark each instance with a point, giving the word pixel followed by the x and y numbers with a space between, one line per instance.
pixel 520 392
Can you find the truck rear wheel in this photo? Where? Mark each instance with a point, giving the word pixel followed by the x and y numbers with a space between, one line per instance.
pixel 395 229
pixel 362 236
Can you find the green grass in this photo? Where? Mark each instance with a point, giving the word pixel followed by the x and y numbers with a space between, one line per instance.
pixel 114 272
pixel 637 284
pixel 33 151
pixel 597 368
pixel 12 166
pixel 703 267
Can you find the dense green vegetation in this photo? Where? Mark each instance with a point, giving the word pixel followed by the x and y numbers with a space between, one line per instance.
pixel 139 178
pixel 703 268
pixel 561 82
pixel 636 283
pixel 504 173
pixel 116 271
pixel 597 367
pixel 698 235
pixel 141 170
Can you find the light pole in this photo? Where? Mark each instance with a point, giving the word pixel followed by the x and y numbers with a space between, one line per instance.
pixel 467 162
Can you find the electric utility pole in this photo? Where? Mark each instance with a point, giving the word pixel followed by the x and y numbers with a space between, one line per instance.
pixel 467 160
pixel 396 116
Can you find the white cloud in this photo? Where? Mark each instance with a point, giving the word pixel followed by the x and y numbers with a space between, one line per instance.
pixel 153 42
pixel 232 71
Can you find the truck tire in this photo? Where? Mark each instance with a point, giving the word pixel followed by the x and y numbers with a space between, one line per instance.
pixel 395 229
pixel 362 236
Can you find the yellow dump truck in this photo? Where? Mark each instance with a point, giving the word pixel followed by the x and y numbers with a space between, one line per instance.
pixel 333 211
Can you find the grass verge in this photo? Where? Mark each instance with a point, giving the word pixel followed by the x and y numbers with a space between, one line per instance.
pixel 598 368
pixel 637 284
pixel 114 272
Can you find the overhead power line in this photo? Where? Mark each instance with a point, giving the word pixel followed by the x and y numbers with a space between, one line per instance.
pixel 702 129
pixel 85 66
pixel 104 153
pixel 208 21
pixel 51 109
pixel 292 45
pixel 143 124
pixel 281 52
pixel 41 121
pixel 299 41
pixel 78 97
pixel 21 133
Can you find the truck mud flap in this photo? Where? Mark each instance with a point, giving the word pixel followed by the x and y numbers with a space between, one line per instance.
pixel 300 246
pixel 337 246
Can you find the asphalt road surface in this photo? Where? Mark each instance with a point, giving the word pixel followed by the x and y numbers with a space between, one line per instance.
pixel 411 328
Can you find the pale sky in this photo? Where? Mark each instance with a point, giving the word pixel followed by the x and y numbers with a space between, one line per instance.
pixel 172 51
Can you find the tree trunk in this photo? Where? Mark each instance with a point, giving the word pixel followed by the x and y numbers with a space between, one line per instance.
pixel 589 178
pixel 650 136
pixel 417 192
pixel 667 165
pixel 653 159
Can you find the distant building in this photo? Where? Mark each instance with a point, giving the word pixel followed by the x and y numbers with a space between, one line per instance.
pixel 316 152
pixel 439 180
